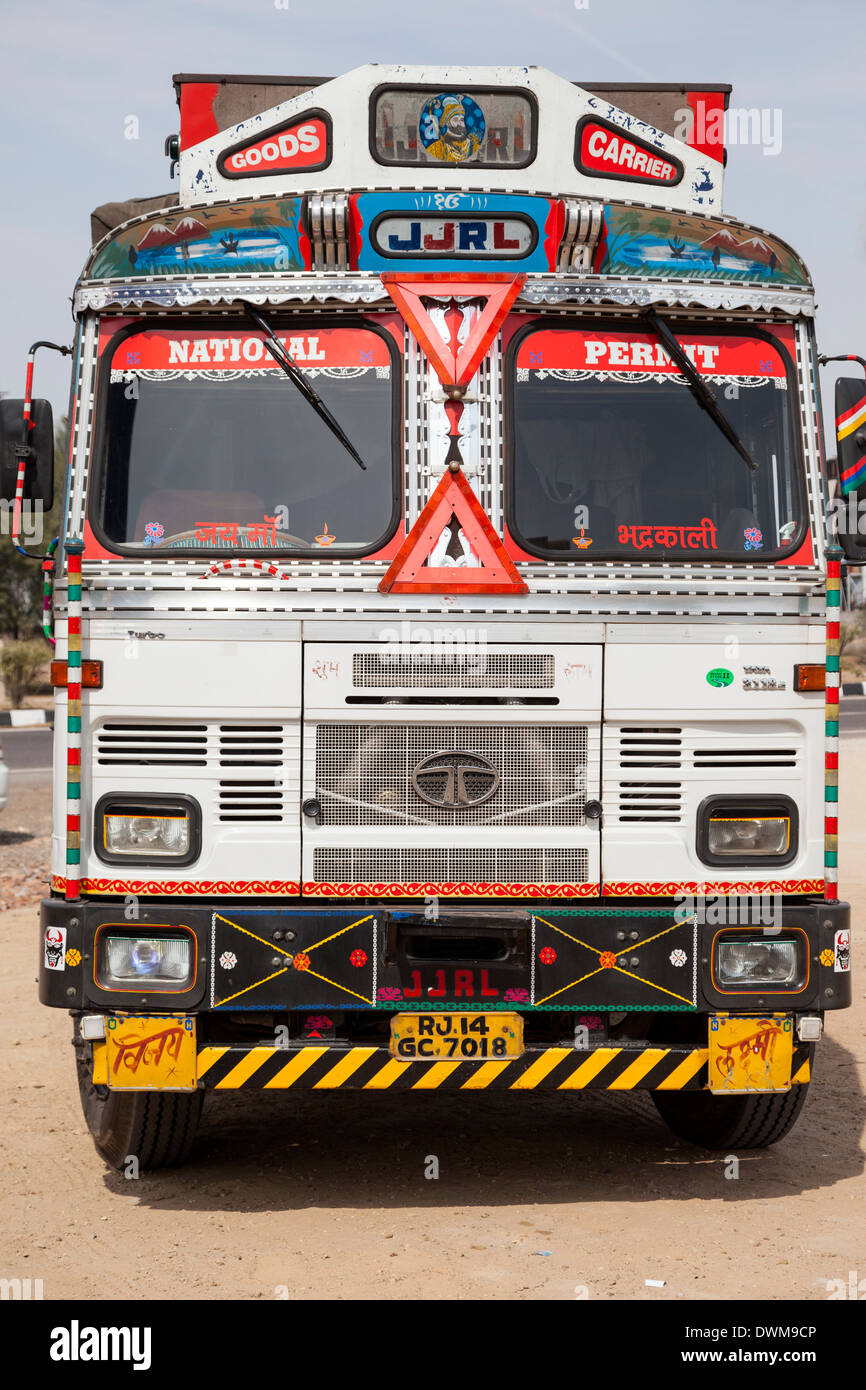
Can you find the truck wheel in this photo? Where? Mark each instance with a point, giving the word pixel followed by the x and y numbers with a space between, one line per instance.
pixel 156 1127
pixel 730 1122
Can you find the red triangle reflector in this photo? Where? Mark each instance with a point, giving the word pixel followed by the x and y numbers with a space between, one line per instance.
pixel 455 363
pixel 494 574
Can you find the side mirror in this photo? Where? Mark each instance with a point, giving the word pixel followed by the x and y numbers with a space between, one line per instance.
pixel 39 468
pixel 850 467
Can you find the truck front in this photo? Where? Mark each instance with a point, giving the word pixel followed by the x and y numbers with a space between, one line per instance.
pixel 442 615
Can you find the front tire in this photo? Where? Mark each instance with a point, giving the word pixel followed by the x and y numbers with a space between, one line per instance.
pixel 730 1122
pixel 155 1127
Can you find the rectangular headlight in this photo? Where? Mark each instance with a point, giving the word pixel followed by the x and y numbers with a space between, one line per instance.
pixel 147 835
pixel 147 829
pixel 132 960
pixel 739 836
pixel 756 963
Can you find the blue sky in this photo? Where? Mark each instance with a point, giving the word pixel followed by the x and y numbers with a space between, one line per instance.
pixel 73 72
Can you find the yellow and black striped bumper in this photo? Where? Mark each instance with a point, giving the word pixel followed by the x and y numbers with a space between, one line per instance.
pixel 553 1068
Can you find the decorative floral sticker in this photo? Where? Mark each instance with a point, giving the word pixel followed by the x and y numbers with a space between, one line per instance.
pixel 607 960
pixel 516 996
pixel 678 957
pixel 547 955
pixel 301 961
pixel 228 960
pixel 827 956
pixel 153 532
pixel 358 958
pixel 390 992
pixel 754 539
pixel 73 957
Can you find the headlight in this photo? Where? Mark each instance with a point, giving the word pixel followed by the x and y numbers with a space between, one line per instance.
pixel 147 835
pixel 147 829
pixel 756 964
pixel 747 831
pixel 125 960
pixel 742 835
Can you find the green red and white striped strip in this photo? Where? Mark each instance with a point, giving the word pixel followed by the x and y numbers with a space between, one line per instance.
pixel 831 755
pixel 73 718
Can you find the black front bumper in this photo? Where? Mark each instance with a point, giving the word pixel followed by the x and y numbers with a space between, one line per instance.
pixel 536 958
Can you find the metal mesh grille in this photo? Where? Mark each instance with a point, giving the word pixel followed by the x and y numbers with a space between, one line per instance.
pixel 451 865
pixel 469 669
pixel 364 774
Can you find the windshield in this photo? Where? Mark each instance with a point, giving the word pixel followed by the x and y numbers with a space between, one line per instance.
pixel 613 455
pixel 209 446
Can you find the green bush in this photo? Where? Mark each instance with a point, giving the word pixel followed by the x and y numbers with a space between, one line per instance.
pixel 21 666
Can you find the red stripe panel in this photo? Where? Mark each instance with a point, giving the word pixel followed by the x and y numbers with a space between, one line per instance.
pixel 831 761
pixel 849 414
pixel 831 824
pixel 73 822
pixel 74 625
pixel 832 695
pixel 197 119
pixel 73 757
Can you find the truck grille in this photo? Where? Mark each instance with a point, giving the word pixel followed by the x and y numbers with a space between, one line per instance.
pixel 478 866
pixel 364 774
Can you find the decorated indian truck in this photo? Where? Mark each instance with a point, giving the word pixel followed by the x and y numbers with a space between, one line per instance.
pixel 446 614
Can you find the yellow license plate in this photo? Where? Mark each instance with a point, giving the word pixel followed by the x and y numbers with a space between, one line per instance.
pixel 144 1054
pixel 751 1054
pixel 453 1037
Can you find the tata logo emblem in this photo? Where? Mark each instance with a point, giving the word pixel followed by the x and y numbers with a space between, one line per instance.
pixel 455 780
pixel 469 236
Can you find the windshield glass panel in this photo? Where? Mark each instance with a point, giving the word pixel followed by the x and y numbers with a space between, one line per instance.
pixel 613 455
pixel 209 445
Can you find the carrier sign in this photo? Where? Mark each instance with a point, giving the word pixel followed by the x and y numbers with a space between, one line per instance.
pixel 605 151
pixel 301 144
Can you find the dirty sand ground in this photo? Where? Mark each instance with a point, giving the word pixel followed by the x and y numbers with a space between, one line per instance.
pixel 538 1194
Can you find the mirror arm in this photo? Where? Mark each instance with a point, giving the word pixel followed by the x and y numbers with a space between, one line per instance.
pixel 23 451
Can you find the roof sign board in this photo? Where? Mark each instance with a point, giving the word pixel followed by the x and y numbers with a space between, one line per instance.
pixel 393 127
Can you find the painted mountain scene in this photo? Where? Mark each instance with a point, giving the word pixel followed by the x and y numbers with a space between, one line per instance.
pixel 646 242
pixel 253 238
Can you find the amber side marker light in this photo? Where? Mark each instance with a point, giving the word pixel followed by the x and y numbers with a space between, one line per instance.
pixel 810 677
pixel 91 674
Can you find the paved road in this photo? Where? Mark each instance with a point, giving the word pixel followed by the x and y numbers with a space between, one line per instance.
pixel 852 714
pixel 28 751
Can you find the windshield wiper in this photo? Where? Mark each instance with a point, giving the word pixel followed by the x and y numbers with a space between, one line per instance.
pixel 297 378
pixel 698 387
